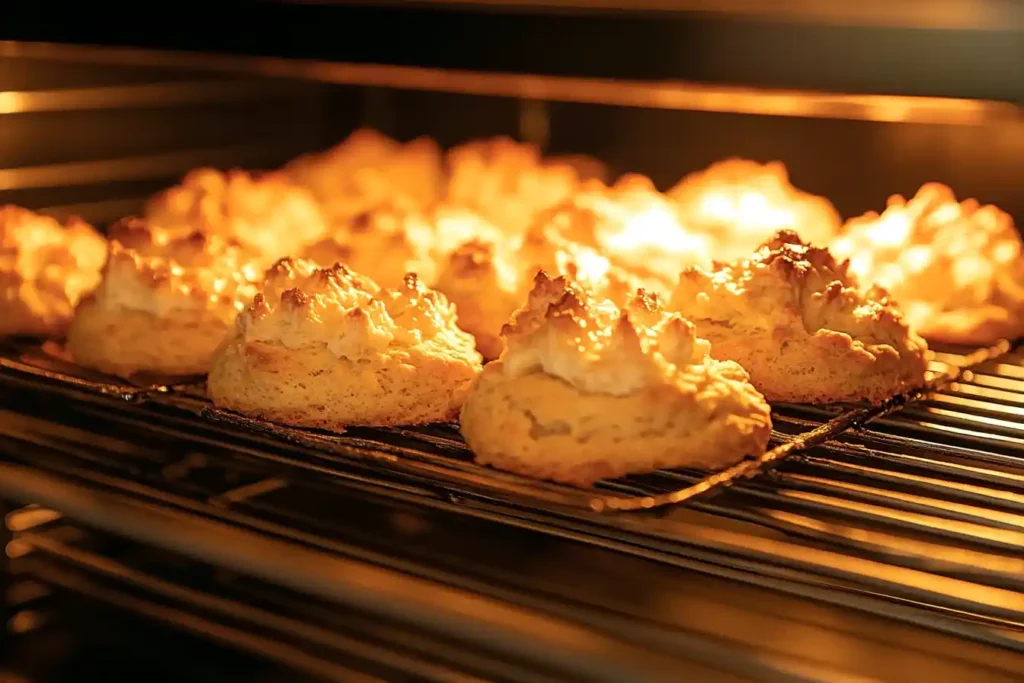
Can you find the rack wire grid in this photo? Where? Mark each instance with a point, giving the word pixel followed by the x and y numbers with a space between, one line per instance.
pixel 919 502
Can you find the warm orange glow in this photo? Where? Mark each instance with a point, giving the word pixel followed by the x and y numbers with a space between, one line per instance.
pixel 955 268
pixel 632 224
pixel 740 203
pixel 507 182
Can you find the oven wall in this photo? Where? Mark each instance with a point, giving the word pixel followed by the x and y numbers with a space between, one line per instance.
pixel 96 139
pixel 857 164
pixel 100 154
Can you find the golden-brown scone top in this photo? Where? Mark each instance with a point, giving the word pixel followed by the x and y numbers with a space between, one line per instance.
pixel 349 314
pixel 150 271
pixel 509 182
pixel 368 169
pixel 631 223
pixel 326 347
pixel 393 239
pixel 955 268
pixel 164 302
pixel 741 203
pixel 488 280
pixel 800 324
pixel 586 389
pixel 266 213
pixel 595 345
pixel 45 269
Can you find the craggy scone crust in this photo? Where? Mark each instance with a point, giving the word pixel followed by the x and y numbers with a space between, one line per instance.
pixel 955 268
pixel 797 321
pixel 586 390
pixel 488 280
pixel 740 203
pixel 395 238
pixel 613 239
pixel 508 182
pixel 638 228
pixel 266 213
pixel 329 348
pixel 164 304
pixel 45 269
pixel 368 169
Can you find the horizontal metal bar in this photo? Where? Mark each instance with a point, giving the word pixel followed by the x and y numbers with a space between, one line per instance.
pixel 997 15
pixel 677 95
pixel 142 95
pixel 149 167
pixel 470 618
pixel 95 211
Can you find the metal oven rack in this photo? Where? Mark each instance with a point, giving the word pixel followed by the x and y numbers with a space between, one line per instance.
pixel 914 516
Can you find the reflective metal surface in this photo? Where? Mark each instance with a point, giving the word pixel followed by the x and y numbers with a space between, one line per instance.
pixel 946 14
pixel 665 95
pixel 137 95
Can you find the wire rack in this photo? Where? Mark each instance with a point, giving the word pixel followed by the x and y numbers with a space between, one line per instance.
pixel 913 509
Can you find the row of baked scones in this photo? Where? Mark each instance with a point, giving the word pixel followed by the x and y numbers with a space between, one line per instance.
pixel 596 379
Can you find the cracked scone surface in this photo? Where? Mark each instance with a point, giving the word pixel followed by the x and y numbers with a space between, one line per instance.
pixel 509 182
pixel 798 322
pixel 368 169
pixel 739 203
pixel 586 390
pixel 395 238
pixel 45 269
pixel 266 213
pixel 638 228
pixel 488 280
pixel 956 269
pixel 612 239
pixel 164 304
pixel 329 348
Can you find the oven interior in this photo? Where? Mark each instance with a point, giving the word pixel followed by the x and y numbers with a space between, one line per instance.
pixel 884 544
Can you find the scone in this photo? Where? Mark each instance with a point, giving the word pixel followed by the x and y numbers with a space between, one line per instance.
pixel 613 239
pixel 508 182
pixel 955 268
pixel 368 169
pixel 741 203
pixel 638 228
pixel 45 269
pixel 265 213
pixel 329 348
pixel 798 322
pixel 488 280
pixel 163 305
pixel 586 390
pixel 393 239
